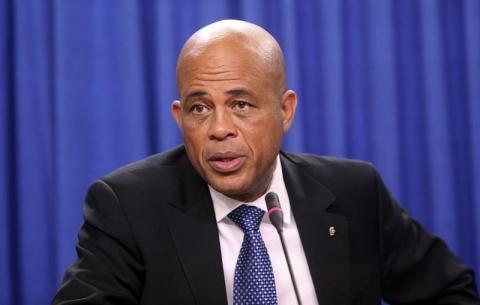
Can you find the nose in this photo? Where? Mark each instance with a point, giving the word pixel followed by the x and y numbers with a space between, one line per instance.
pixel 221 126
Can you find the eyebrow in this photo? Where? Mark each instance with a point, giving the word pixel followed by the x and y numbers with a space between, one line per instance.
pixel 197 93
pixel 234 91
pixel 238 91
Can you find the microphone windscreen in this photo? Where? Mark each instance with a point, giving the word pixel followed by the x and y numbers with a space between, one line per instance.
pixel 275 213
pixel 272 200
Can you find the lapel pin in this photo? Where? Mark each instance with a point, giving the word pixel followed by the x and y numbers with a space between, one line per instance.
pixel 331 231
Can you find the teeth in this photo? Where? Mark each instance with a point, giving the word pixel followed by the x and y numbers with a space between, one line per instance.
pixel 225 159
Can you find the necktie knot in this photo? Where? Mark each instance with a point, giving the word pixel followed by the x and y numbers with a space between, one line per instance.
pixel 248 218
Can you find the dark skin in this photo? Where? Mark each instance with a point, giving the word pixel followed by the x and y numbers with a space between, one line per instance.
pixel 233 108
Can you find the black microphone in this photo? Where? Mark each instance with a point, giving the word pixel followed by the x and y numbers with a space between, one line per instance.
pixel 275 214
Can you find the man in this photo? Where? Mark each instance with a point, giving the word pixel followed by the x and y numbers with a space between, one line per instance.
pixel 166 230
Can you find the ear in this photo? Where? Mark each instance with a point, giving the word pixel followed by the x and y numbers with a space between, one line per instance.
pixel 176 109
pixel 289 105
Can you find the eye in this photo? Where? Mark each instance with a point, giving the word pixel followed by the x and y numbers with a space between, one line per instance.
pixel 198 108
pixel 242 105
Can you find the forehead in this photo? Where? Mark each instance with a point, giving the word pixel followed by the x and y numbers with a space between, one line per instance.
pixel 228 63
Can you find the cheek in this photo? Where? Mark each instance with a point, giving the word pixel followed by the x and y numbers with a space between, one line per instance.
pixel 194 129
pixel 263 139
pixel 194 142
pixel 267 128
pixel 194 124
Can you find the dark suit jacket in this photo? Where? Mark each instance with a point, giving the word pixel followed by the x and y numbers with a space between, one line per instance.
pixel 150 237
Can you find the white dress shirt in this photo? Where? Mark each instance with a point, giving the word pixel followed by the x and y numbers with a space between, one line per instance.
pixel 231 237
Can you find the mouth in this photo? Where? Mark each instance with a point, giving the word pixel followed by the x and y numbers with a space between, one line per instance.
pixel 226 162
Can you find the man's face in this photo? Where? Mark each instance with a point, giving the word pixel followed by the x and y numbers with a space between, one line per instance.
pixel 233 116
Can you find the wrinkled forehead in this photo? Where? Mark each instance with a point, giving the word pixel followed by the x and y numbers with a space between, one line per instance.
pixel 238 47
pixel 222 53
pixel 230 64
pixel 239 54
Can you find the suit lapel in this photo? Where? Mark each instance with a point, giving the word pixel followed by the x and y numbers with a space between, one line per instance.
pixel 194 231
pixel 324 235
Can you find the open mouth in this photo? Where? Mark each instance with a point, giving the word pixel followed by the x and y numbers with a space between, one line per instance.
pixel 226 162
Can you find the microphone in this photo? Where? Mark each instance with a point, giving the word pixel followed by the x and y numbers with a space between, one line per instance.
pixel 275 214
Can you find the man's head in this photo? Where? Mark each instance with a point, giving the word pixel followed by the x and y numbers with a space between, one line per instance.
pixel 233 108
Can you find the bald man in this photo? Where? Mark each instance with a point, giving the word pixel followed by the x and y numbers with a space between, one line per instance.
pixel 166 230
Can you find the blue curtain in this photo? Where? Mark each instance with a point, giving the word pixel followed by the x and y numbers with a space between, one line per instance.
pixel 86 86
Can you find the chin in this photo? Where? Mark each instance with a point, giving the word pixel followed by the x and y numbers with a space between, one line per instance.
pixel 239 193
pixel 229 189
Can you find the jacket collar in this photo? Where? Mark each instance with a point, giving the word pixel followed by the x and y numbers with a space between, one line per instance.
pixel 324 235
pixel 192 224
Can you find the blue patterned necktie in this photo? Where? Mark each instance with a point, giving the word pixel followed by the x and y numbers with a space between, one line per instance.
pixel 254 283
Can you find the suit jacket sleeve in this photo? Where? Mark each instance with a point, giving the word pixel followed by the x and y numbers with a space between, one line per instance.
pixel 418 268
pixel 109 269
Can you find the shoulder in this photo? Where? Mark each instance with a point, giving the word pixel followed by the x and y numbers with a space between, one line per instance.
pixel 167 159
pixel 324 161
pixel 330 168
pixel 142 189
pixel 344 178
pixel 154 172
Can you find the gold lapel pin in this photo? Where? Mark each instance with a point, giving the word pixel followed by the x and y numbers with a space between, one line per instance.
pixel 331 231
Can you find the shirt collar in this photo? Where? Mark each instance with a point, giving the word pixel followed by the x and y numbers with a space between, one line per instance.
pixel 223 205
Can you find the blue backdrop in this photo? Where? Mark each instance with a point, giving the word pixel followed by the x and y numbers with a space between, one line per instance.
pixel 86 86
